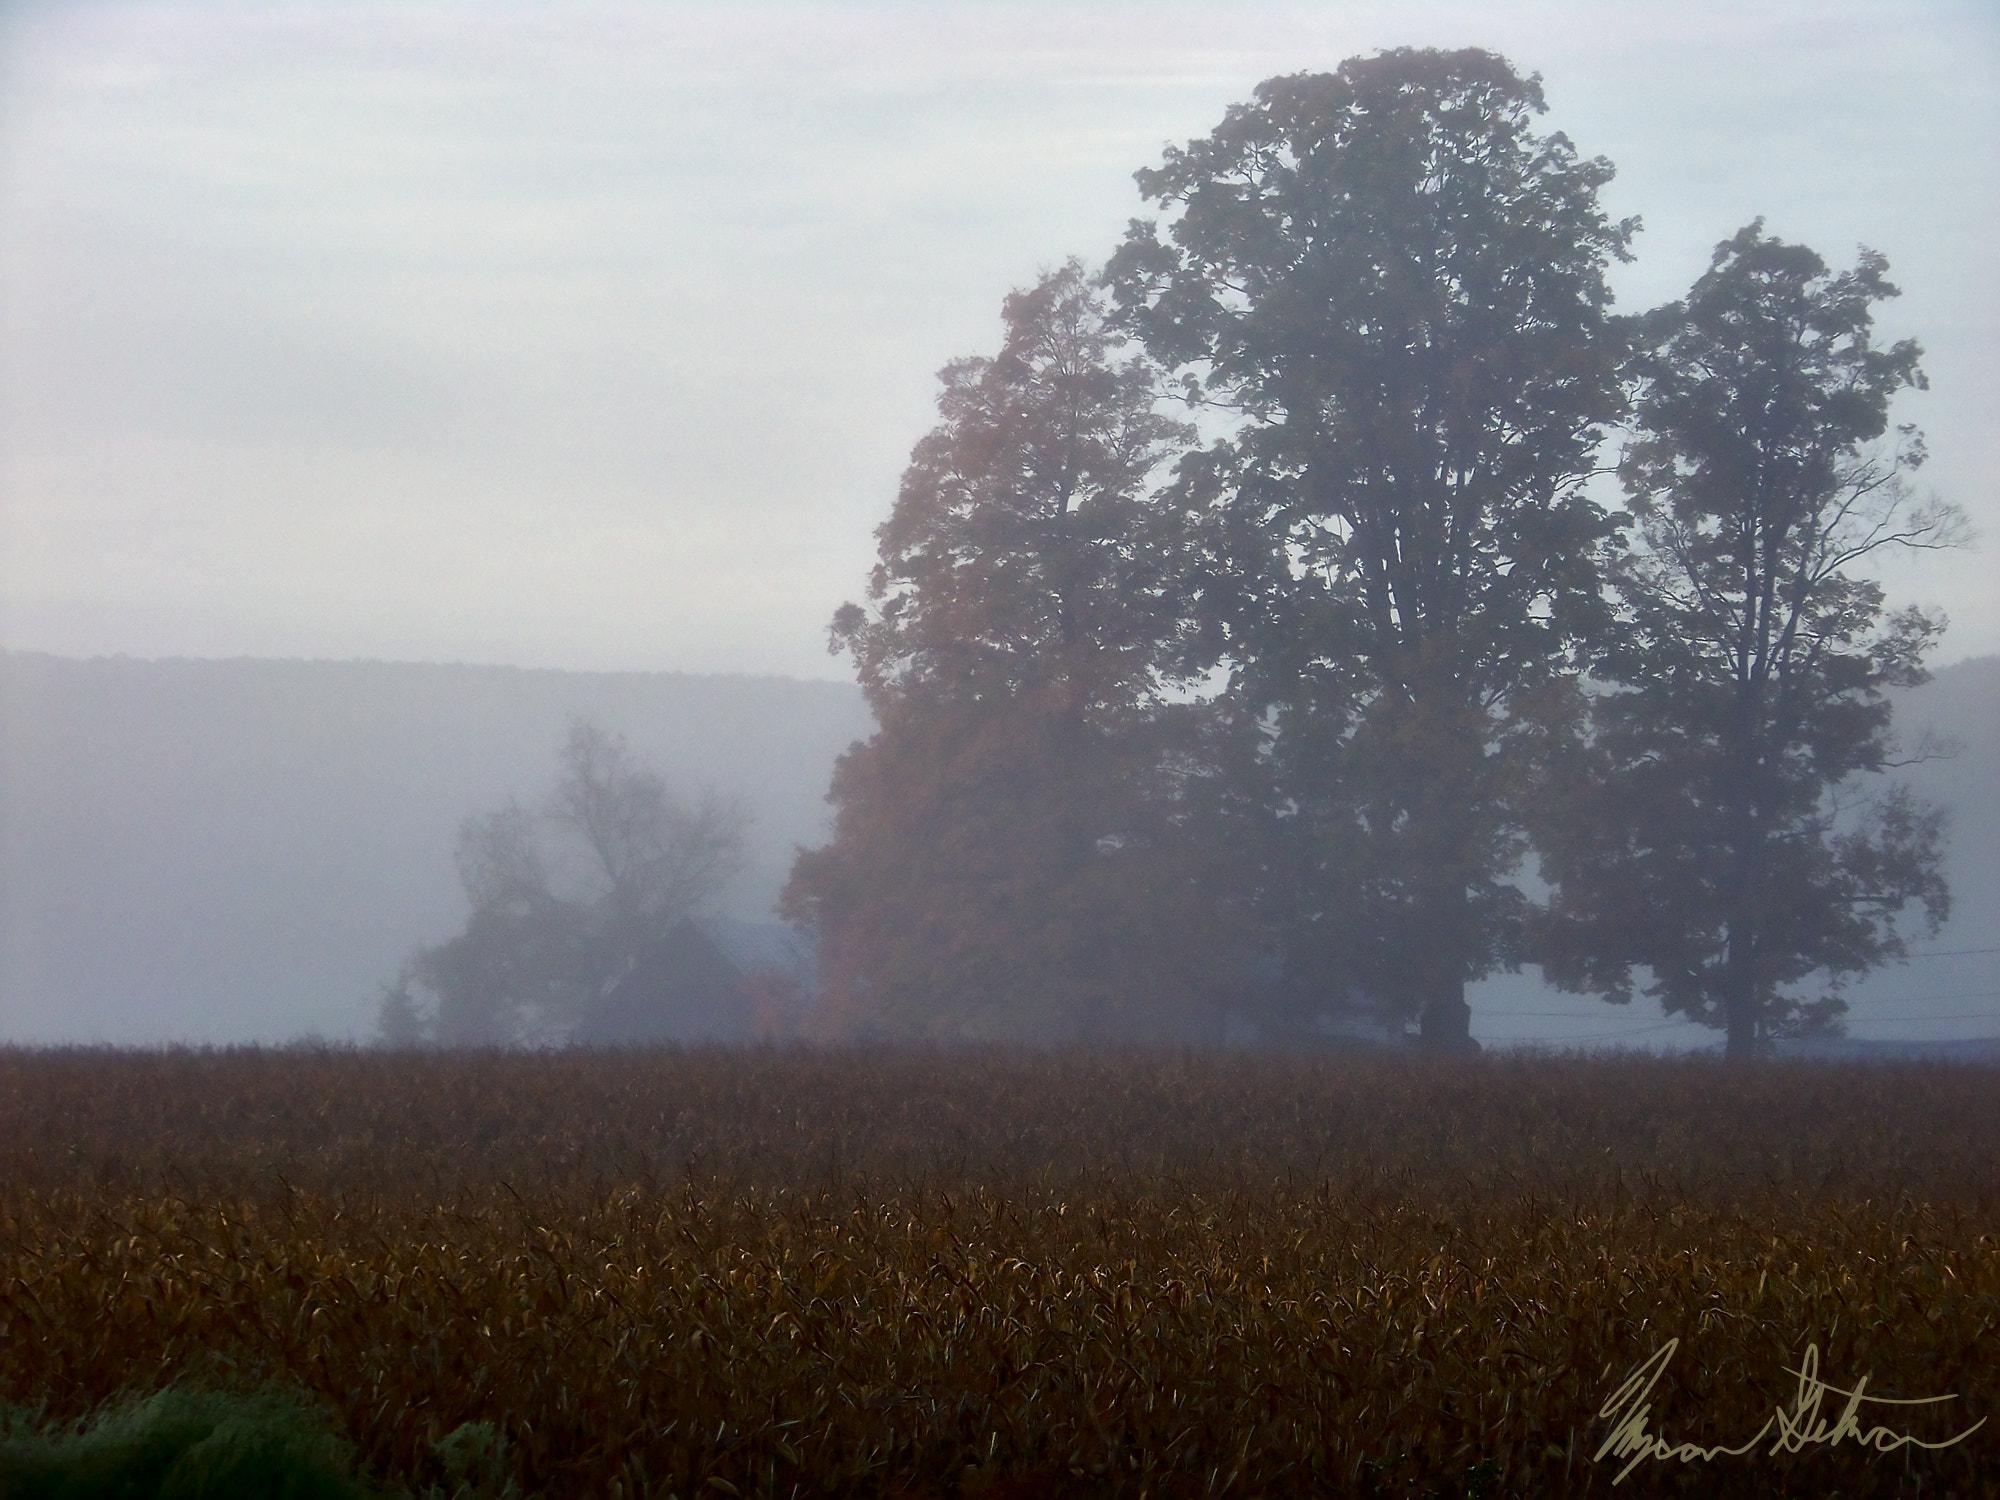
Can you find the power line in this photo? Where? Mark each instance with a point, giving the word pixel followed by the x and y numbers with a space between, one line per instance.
pixel 1950 952
pixel 1612 1036
pixel 1679 1021
pixel 1918 1041
pixel 1567 1015
pixel 1936 1015
pixel 1557 1015
pixel 1864 1009
pixel 1597 1036
pixel 1855 1006
pixel 1920 999
pixel 1914 1041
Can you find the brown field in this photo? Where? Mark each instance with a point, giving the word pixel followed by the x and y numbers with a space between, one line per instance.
pixel 872 1273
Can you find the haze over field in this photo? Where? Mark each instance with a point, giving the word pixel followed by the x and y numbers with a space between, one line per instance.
pixel 243 850
pixel 587 343
pixel 246 850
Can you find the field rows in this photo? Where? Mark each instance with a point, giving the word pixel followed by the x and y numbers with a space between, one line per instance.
pixel 893 1273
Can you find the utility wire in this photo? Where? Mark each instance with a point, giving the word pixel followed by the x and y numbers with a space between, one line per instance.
pixel 1599 1036
pixel 1625 1031
pixel 1617 1037
pixel 1948 1015
pixel 1885 1008
pixel 1920 999
pixel 1857 1002
pixel 1570 1015
pixel 1613 1036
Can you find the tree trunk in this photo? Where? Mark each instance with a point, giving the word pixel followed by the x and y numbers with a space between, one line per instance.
pixel 1739 999
pixel 1445 1020
pixel 1446 1026
pixel 1742 896
pixel 1443 936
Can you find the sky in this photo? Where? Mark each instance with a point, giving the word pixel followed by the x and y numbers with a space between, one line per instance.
pixel 596 335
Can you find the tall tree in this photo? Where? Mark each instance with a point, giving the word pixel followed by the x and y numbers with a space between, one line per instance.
pixel 1010 855
pixel 1395 287
pixel 1721 825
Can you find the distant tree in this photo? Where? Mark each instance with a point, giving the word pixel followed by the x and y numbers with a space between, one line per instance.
pixel 399 1022
pixel 1720 823
pixel 1012 855
pixel 1394 289
pixel 564 900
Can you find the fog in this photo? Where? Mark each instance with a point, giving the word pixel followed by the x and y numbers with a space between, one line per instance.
pixel 247 851
pixel 586 343
pixel 238 851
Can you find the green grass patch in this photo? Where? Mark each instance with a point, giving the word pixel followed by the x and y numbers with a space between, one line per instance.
pixel 191 1442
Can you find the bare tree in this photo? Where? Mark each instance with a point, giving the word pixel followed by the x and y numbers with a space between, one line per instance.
pixel 565 899
pixel 650 859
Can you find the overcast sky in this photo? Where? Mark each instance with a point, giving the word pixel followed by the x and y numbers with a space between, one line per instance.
pixel 596 335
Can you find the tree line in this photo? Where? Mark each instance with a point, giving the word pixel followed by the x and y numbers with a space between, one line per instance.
pixel 1258 618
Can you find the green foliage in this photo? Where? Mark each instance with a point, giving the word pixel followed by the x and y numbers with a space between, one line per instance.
pixel 191 1441
pixel 180 1443
pixel 473 1457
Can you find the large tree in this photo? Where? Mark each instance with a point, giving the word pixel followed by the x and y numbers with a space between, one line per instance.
pixel 1722 824
pixel 1394 288
pixel 1011 857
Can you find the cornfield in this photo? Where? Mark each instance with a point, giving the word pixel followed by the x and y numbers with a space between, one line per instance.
pixel 1010 1274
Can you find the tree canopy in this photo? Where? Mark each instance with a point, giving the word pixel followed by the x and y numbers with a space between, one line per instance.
pixel 1006 859
pixel 1396 288
pixel 1280 720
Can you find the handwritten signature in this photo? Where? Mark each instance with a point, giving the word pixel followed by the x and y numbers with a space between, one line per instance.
pixel 1801 1427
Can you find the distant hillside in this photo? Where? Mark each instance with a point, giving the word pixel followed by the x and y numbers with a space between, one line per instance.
pixel 235 850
